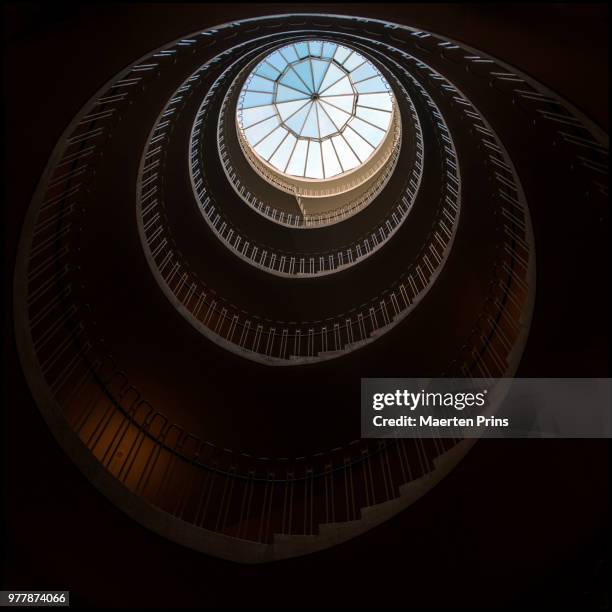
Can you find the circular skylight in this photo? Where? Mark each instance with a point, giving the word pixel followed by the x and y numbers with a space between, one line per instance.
pixel 315 109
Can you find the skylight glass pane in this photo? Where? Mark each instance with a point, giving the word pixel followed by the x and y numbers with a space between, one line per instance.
pixel 379 101
pixel 292 80
pixel 338 116
pixel 312 116
pixel 353 61
pixel 304 71
pixel 328 49
pixel 319 69
pixel 344 103
pixel 296 122
pixel 368 132
pixel 365 71
pixel 297 163
pixel 258 83
pixel 341 54
pixel 281 157
pixel 341 88
pixel 286 110
pixel 311 127
pixel 314 163
pixel 268 145
pixel 373 85
pixel 289 53
pixel 326 127
pixel 378 118
pixel 260 130
pixel 302 49
pixel 253 115
pixel 331 166
pixel 251 99
pixel 361 147
pixel 264 69
pixel 315 47
pixel 276 60
pixel 334 74
pixel 285 94
pixel 345 154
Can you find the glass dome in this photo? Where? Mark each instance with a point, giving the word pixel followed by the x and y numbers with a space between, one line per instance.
pixel 315 110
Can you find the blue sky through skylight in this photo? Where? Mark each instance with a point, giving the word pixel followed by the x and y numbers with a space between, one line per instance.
pixel 315 109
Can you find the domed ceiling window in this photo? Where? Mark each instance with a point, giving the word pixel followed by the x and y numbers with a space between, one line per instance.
pixel 315 110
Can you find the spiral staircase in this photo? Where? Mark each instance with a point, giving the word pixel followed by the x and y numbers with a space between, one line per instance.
pixel 195 341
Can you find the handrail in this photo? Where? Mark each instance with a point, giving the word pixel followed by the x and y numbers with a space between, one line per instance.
pixel 386 161
pixel 39 294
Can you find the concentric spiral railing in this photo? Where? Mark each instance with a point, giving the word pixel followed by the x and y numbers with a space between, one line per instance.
pixel 289 344
pixel 292 264
pixel 198 491
pixel 386 158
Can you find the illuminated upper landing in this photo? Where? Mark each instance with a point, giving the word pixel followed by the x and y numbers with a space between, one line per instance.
pixel 315 110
